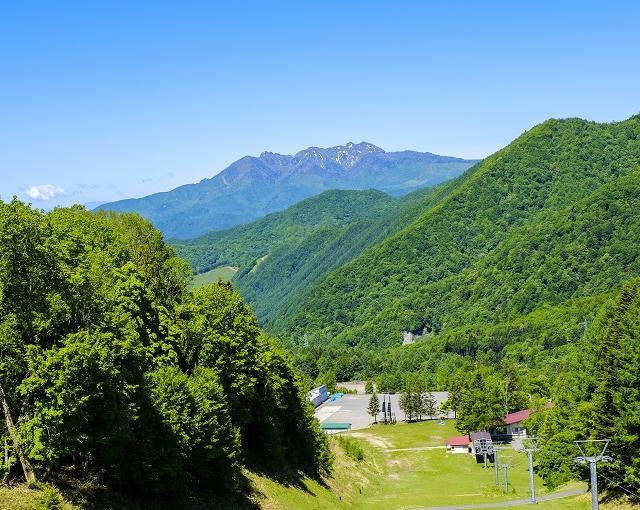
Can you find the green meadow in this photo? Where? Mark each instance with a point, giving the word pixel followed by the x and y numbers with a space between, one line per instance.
pixel 224 273
pixel 405 467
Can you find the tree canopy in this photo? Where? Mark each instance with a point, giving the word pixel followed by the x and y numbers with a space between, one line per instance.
pixel 110 367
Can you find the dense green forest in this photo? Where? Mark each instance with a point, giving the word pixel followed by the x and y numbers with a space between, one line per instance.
pixel 597 395
pixel 111 370
pixel 282 255
pixel 518 278
pixel 449 265
pixel 520 282
pixel 591 391
pixel 243 245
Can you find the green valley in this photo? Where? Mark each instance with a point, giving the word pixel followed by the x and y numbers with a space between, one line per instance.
pixel 282 255
pixel 516 285
pixel 320 255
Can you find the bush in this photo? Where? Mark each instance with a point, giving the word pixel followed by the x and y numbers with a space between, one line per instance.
pixel 50 499
pixel 351 448
pixel 555 461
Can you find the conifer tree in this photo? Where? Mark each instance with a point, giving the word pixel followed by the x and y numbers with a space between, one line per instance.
pixel 374 406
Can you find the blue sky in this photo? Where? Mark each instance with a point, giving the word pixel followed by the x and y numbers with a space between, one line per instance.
pixel 107 100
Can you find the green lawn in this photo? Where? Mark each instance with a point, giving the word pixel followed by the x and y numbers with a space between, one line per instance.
pixel 435 477
pixel 224 273
pixel 411 435
pixel 21 498
pixel 391 477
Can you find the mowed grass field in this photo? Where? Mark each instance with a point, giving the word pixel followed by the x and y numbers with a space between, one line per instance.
pixel 224 273
pixel 404 468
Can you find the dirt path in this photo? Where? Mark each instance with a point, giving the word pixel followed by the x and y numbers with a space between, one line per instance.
pixel 375 441
pixel 416 449
pixel 507 504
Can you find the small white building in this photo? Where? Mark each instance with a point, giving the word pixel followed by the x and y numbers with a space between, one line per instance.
pixel 408 337
pixel 458 444
pixel 318 395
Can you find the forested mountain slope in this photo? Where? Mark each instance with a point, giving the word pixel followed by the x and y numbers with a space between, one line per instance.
pixel 255 186
pixel 243 245
pixel 282 254
pixel 483 251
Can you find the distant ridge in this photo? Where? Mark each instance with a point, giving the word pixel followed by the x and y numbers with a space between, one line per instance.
pixel 255 186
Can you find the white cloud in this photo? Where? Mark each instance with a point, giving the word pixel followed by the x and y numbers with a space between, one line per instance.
pixel 44 192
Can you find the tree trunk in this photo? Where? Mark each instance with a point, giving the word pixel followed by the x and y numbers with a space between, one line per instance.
pixel 29 474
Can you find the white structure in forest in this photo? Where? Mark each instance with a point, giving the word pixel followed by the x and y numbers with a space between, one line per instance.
pixel 318 395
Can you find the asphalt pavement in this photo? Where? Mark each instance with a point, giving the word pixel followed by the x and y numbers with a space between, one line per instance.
pixel 353 409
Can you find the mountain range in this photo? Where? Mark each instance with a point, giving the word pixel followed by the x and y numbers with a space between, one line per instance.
pixel 255 186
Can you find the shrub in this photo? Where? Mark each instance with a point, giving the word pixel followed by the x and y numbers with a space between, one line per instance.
pixel 351 448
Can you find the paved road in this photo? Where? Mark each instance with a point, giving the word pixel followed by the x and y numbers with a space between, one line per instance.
pixel 506 504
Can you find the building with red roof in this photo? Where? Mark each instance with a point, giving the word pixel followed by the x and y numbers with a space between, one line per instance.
pixel 458 444
pixel 513 422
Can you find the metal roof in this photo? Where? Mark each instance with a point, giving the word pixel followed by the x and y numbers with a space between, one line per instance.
pixel 458 441
pixel 334 425
pixel 483 434
pixel 517 417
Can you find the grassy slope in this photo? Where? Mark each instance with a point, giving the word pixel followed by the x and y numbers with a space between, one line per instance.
pixel 224 273
pixel 405 479
pixel 21 498
pixel 383 291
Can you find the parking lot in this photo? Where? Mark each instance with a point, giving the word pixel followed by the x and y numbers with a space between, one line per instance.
pixel 353 409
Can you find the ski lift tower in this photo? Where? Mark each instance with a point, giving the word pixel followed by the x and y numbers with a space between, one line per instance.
pixel 530 445
pixel 593 451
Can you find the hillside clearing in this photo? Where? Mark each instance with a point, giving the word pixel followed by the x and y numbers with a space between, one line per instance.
pixel 224 273
pixel 409 479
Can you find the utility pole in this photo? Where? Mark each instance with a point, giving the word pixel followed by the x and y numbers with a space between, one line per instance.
pixel 531 445
pixel 384 407
pixel 592 451
pixel 505 467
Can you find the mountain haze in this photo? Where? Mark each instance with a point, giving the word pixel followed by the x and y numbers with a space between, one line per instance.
pixel 255 186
